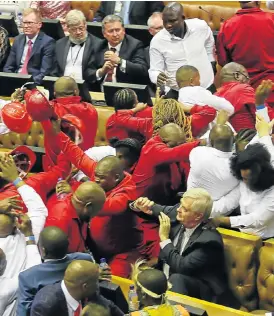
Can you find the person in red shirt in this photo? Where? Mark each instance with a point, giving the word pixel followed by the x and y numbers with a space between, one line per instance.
pixel 114 232
pixel 124 100
pixel 43 183
pixel 247 39
pixel 158 175
pixel 166 111
pixel 68 101
pixel 236 89
pixel 73 214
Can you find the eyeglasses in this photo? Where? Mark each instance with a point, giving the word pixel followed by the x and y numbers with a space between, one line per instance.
pixel 29 23
pixel 239 72
pixel 75 29
pixel 81 202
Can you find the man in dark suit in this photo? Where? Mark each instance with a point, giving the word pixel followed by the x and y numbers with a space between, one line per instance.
pixel 53 246
pixel 120 57
pixel 32 52
pixel 80 284
pixel 192 254
pixel 73 53
pixel 133 12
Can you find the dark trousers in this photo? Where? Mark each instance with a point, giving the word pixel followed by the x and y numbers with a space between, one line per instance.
pixel 173 94
pixel 191 286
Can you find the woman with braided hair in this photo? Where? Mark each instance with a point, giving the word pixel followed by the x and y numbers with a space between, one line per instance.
pixel 164 111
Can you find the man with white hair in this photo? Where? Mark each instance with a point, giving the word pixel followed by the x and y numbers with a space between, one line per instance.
pixel 73 51
pixel 155 23
pixel 193 254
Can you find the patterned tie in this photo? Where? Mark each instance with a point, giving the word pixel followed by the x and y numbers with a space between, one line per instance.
pixel 24 70
pixel 110 73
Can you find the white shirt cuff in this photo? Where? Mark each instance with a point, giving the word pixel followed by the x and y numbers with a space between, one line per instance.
pixel 235 221
pixel 97 75
pixel 164 243
pixel 123 66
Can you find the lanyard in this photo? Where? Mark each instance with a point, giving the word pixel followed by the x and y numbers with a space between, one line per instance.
pixel 73 62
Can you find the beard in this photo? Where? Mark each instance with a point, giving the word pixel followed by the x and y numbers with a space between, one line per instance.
pixel 78 41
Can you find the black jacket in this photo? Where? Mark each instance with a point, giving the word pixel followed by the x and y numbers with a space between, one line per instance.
pixel 203 255
pixel 61 53
pixel 139 11
pixel 132 51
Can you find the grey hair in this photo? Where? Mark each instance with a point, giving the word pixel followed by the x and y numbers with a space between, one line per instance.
pixel 154 15
pixel 202 201
pixel 110 19
pixel 74 17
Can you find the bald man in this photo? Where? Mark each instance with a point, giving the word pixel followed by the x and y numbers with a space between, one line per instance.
pixel 210 166
pixel 68 101
pixel 236 89
pixel 73 214
pixel 173 47
pixel 191 93
pixel 79 284
pixel 53 246
pixel 107 238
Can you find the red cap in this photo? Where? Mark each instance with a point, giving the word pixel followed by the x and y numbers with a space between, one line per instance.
pixel 16 118
pixel 38 107
pixel 22 165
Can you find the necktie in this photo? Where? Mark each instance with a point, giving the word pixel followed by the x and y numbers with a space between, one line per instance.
pixel 180 239
pixel 24 70
pixel 110 73
pixel 78 310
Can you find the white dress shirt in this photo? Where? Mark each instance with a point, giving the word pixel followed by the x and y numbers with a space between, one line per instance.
pixel 25 51
pixel 257 208
pixel 74 62
pixel 270 4
pixel 96 153
pixel 72 304
pixel 187 234
pixel 210 170
pixel 198 95
pixel 168 53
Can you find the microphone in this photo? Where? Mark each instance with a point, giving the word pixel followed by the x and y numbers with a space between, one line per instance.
pixel 211 14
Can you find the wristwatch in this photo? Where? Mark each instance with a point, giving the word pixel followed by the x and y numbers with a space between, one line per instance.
pixel 17 180
pixel 30 238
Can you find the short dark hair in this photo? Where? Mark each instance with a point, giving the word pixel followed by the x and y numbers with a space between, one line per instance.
pixel 256 158
pixel 96 310
pixel 124 99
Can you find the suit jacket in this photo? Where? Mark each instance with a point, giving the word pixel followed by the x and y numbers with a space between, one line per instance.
pixel 139 11
pixel 203 255
pixel 41 59
pixel 132 50
pixel 61 53
pixel 37 277
pixel 51 301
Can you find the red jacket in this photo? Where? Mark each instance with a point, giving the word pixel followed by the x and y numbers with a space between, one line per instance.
pixel 84 111
pixel 114 224
pixel 242 97
pixel 114 129
pixel 125 121
pixel 147 175
pixel 42 182
pixel 66 218
pixel 247 39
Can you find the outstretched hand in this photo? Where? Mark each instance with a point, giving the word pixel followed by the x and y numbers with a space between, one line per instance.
pixel 262 92
pixel 144 205
pixel 8 168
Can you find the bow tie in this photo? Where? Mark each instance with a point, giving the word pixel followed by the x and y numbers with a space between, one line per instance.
pixel 72 44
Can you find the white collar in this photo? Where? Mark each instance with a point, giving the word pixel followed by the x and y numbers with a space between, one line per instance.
pixel 118 47
pixel 49 260
pixel 69 299
pixel 219 153
pixel 32 39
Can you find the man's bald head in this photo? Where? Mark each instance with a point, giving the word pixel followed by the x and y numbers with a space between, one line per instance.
pixel 88 200
pixel 109 172
pixel 81 278
pixel 234 72
pixel 172 135
pixel 65 86
pixel 221 137
pixel 187 76
pixel 173 19
pixel 3 262
pixel 53 243
pixel 7 225
pixel 249 4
